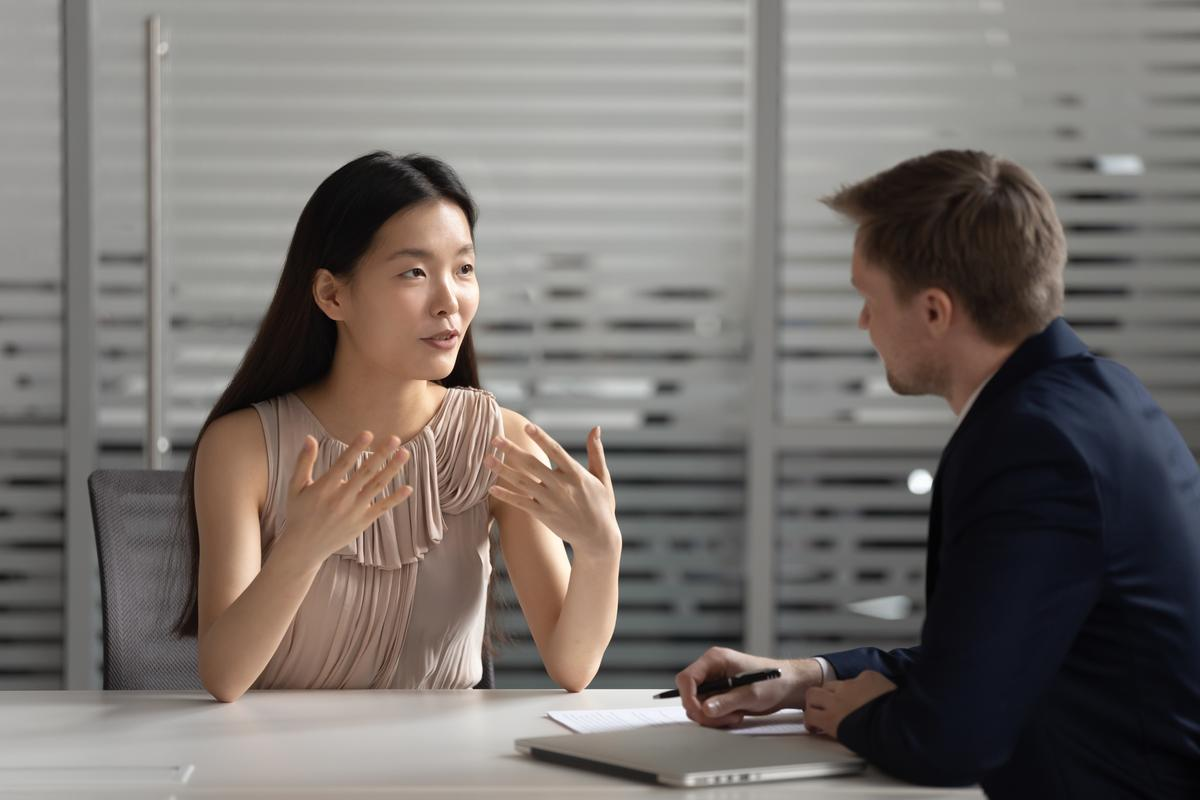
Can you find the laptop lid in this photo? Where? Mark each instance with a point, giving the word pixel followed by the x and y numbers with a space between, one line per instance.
pixel 689 755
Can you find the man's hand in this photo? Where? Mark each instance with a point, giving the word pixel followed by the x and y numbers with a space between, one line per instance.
pixel 729 708
pixel 828 705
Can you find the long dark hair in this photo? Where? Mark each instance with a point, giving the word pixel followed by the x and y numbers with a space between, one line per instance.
pixel 295 341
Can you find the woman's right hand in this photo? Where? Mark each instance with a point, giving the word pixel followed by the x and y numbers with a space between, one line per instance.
pixel 326 514
pixel 764 697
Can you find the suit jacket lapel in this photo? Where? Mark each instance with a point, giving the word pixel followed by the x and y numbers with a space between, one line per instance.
pixel 1057 341
pixel 933 552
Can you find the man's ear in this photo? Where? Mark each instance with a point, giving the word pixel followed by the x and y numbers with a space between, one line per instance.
pixel 328 293
pixel 938 308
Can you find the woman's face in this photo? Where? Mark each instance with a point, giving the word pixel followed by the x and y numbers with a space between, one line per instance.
pixel 409 302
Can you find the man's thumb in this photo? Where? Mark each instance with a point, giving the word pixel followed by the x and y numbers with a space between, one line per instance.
pixel 741 698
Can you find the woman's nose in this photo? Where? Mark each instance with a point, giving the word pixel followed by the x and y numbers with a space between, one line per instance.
pixel 445 300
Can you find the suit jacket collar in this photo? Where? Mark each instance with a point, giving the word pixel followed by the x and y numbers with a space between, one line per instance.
pixel 1056 342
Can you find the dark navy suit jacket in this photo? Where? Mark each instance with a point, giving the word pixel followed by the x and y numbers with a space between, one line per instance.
pixel 1060 655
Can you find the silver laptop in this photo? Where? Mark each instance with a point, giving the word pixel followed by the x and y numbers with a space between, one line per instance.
pixel 688 755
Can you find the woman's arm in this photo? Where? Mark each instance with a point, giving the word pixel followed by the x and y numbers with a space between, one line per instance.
pixel 246 604
pixel 571 609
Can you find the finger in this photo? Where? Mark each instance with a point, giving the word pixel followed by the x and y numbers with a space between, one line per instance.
pixel 706 721
pixel 527 504
pixel 375 463
pixel 505 484
pixel 388 473
pixel 738 699
pixel 519 458
pixel 381 507
pixel 816 720
pixel 700 718
pixel 305 462
pixel 717 662
pixel 685 682
pixel 558 455
pixel 713 664
pixel 723 720
pixel 597 464
pixel 514 478
pixel 346 462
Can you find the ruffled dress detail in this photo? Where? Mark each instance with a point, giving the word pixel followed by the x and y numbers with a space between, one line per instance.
pixel 403 605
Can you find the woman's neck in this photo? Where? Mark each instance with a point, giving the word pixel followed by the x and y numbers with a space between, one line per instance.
pixel 352 398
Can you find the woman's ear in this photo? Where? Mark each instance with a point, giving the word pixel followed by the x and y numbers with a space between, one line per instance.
pixel 329 294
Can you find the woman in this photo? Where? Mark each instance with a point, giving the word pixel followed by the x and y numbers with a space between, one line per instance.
pixel 342 489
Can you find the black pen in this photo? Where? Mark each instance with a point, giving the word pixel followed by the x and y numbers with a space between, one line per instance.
pixel 725 684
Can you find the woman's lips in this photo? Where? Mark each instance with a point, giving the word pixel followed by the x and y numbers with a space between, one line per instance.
pixel 442 342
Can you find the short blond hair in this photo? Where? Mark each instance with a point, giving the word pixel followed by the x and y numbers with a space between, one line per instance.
pixel 979 227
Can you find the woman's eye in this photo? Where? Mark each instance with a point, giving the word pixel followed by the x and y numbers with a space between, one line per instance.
pixel 466 269
pixel 415 272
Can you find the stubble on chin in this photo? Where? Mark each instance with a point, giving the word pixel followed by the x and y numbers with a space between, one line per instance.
pixel 897 386
pixel 925 380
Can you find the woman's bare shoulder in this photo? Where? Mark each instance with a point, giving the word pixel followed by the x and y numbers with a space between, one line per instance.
pixel 233 452
pixel 514 424
pixel 236 432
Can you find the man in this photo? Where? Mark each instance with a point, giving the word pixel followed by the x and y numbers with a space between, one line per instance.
pixel 1060 654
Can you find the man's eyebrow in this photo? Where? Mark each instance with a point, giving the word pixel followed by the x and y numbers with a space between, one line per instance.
pixel 416 252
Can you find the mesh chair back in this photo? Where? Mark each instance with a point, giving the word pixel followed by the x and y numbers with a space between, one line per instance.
pixel 143 578
pixel 488 681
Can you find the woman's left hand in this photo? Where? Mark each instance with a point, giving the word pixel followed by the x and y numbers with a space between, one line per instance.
pixel 577 504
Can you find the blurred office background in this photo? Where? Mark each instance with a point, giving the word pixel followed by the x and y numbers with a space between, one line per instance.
pixel 652 259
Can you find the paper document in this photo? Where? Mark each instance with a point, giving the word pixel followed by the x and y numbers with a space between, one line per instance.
pixel 788 721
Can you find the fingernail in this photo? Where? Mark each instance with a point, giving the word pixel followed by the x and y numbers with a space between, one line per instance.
pixel 531 428
pixel 712 706
pixel 497 442
pixel 394 442
pixel 597 432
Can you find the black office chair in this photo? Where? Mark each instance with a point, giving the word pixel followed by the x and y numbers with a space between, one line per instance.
pixel 144 578
pixel 488 681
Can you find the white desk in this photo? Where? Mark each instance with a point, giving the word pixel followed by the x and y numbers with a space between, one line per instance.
pixel 330 744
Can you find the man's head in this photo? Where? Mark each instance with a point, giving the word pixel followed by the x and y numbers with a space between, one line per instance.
pixel 951 247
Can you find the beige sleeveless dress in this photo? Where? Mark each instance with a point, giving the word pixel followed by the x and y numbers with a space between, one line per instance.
pixel 402 606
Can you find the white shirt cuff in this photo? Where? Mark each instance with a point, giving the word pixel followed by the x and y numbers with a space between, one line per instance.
pixel 827 673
